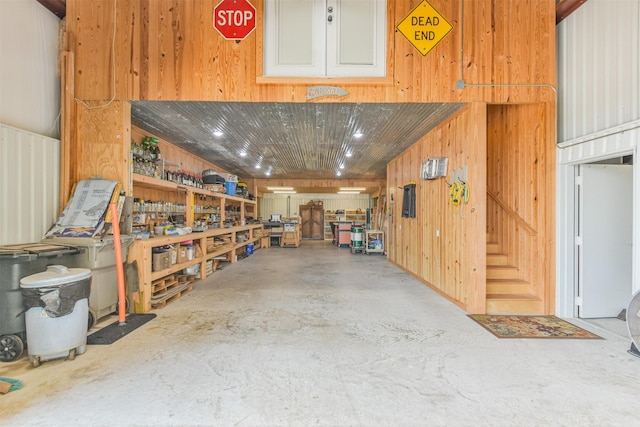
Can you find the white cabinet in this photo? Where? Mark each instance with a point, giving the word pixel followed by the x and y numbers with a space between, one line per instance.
pixel 325 38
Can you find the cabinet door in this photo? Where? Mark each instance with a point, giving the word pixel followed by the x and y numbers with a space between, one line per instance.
pixel 317 220
pixel 294 38
pixel 306 222
pixel 356 38
pixel 325 38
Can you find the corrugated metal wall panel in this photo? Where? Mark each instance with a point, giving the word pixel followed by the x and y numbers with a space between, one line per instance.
pixel 29 185
pixel 598 67
pixel 278 203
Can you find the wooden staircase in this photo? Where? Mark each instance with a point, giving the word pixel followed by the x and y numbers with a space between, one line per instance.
pixel 506 293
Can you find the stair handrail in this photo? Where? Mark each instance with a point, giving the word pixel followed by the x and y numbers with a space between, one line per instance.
pixel 512 214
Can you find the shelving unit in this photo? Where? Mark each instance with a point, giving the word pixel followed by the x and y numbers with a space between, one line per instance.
pixel 330 217
pixel 356 216
pixel 141 253
pixel 353 216
pixel 150 282
pixel 246 207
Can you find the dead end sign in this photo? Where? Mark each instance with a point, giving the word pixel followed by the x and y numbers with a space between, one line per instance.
pixel 234 19
pixel 424 27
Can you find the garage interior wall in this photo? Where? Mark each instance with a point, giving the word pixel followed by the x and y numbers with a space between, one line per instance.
pixel 449 258
pixel 29 118
pixel 598 115
pixel 502 50
pixel 290 205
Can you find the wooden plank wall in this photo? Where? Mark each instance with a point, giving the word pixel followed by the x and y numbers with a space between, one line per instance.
pixel 103 140
pixel 169 50
pixel 445 246
pixel 170 152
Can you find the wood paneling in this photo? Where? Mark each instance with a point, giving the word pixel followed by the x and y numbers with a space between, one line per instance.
pixel 103 142
pixel 169 50
pixel 447 241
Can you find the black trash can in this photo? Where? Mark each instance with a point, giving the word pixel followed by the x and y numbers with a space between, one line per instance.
pixel 18 261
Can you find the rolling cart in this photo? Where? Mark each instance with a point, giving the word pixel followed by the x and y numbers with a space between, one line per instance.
pixel 373 242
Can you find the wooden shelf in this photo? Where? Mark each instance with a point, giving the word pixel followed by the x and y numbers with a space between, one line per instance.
pixel 354 216
pixel 141 253
pixel 222 200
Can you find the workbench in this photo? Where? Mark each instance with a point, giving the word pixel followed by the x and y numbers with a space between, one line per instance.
pixel 141 252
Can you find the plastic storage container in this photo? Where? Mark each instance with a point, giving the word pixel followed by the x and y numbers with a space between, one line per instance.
pixel 16 262
pixel 57 302
pixel 230 188
pixel 100 257
pixel 249 249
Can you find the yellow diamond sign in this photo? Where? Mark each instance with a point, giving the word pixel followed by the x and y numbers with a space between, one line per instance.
pixel 424 27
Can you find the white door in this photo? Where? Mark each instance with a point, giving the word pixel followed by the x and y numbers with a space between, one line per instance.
pixel 605 226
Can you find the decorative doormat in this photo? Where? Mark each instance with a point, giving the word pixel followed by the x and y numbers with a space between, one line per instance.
pixel 504 326
pixel 115 331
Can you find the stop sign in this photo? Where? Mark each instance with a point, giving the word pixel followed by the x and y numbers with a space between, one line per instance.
pixel 234 19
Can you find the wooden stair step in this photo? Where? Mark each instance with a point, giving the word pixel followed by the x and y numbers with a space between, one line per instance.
pixel 493 247
pixel 497 259
pixel 502 272
pixel 514 304
pixel 507 286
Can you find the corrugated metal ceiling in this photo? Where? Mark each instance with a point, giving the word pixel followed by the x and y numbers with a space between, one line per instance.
pixel 292 140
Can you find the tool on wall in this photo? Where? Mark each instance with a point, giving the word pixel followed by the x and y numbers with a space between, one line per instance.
pixel 459 193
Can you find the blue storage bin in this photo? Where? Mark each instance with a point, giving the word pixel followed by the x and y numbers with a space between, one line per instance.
pixel 230 188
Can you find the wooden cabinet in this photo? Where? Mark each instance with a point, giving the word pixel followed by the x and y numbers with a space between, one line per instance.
pixel 312 222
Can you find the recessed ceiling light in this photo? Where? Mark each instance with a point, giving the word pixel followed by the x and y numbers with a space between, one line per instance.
pixel 268 173
pixel 284 192
pixel 243 154
pixel 358 134
pixel 258 166
pixel 218 133
pixel 280 188
pixel 349 154
pixel 348 192
pixel 352 188
pixel 341 166
pixel 338 173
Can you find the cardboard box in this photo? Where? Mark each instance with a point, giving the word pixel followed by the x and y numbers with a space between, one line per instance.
pixel 174 255
pixel 161 261
pixel 182 254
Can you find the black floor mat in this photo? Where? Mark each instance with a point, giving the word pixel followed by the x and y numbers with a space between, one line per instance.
pixel 115 331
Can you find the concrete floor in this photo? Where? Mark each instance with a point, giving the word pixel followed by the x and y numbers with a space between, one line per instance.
pixel 318 336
